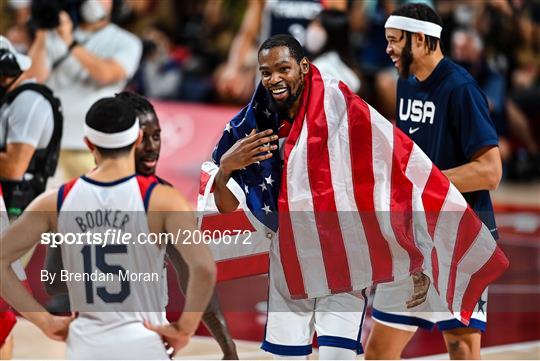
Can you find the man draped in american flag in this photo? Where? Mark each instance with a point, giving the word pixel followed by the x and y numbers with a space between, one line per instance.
pixel 342 183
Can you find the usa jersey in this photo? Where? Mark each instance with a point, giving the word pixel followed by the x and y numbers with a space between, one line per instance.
pixel 447 115
pixel 111 311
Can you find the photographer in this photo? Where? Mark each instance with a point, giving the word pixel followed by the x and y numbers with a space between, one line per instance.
pixel 81 65
pixel 30 131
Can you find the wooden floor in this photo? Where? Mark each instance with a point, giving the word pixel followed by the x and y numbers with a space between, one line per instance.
pixel 523 247
pixel 31 343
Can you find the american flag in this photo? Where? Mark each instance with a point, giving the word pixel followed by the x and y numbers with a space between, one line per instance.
pixel 359 203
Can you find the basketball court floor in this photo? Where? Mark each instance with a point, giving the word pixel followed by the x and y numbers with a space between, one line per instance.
pixel 514 304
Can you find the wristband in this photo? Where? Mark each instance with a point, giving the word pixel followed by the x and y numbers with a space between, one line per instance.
pixel 73 44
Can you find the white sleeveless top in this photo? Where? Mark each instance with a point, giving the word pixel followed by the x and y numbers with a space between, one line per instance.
pixel 115 287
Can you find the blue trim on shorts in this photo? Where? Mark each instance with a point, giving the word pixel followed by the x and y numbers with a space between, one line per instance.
pixel 404 320
pixel 452 324
pixel 283 350
pixel 341 342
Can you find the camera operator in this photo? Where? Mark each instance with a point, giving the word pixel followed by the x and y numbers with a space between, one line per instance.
pixel 30 131
pixel 81 65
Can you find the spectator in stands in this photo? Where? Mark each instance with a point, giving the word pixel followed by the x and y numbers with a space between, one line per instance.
pixel 159 74
pixel 262 19
pixel 13 18
pixel 467 51
pixel 81 65
pixel 30 131
pixel 327 39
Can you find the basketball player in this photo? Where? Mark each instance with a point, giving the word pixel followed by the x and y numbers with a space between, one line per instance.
pixel 337 319
pixel 146 158
pixel 441 107
pixel 120 318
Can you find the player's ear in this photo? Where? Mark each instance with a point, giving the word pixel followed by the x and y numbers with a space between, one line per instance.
pixel 419 40
pixel 90 146
pixel 139 138
pixel 304 65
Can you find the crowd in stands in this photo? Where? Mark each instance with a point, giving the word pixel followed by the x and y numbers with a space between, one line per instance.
pixel 205 51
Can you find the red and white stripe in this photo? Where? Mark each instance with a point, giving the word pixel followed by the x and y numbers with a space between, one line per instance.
pixel 361 204
pixel 234 259
pixel 352 201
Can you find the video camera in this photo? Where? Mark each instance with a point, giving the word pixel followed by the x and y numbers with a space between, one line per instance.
pixel 45 13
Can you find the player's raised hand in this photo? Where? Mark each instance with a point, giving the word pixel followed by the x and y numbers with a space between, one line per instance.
pixel 421 286
pixel 255 147
pixel 171 333
pixel 56 327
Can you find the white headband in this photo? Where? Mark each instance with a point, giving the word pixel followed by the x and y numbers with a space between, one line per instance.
pixel 413 25
pixel 113 140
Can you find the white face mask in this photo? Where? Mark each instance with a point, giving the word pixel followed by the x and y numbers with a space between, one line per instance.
pixel 93 11
pixel 315 38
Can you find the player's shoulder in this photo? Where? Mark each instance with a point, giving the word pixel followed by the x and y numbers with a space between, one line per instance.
pixel 45 202
pixel 163 181
pixel 165 198
pixel 121 34
pixel 30 99
pixel 457 77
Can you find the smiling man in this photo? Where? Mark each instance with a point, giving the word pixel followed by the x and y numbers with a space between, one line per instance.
pixel 314 297
pixel 441 108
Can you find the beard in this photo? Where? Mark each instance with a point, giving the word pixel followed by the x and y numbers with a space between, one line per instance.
pixel 406 59
pixel 282 108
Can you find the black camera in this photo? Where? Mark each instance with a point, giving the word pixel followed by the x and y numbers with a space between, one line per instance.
pixel 45 13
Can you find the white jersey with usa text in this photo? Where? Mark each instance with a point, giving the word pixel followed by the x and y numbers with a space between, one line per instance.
pixel 116 286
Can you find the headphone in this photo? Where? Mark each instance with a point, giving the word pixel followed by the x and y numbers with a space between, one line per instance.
pixel 9 67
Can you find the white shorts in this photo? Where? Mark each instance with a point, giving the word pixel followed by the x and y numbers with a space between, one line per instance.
pixel 132 341
pixel 389 309
pixel 291 324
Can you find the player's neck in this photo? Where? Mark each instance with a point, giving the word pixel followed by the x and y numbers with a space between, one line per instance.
pixel 426 65
pixel 111 169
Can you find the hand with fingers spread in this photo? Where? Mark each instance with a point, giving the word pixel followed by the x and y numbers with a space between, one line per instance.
pixel 421 286
pixel 172 334
pixel 256 147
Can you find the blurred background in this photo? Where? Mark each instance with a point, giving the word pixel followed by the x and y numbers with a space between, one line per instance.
pixel 198 67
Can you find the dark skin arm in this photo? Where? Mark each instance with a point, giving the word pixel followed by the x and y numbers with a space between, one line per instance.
pixel 213 317
pixel 244 152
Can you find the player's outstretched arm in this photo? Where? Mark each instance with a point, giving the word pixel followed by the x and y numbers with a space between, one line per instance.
pixel 21 236
pixel 168 211
pixel 213 316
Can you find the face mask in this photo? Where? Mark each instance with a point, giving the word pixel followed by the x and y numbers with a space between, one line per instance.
pixel 315 39
pixel 92 11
